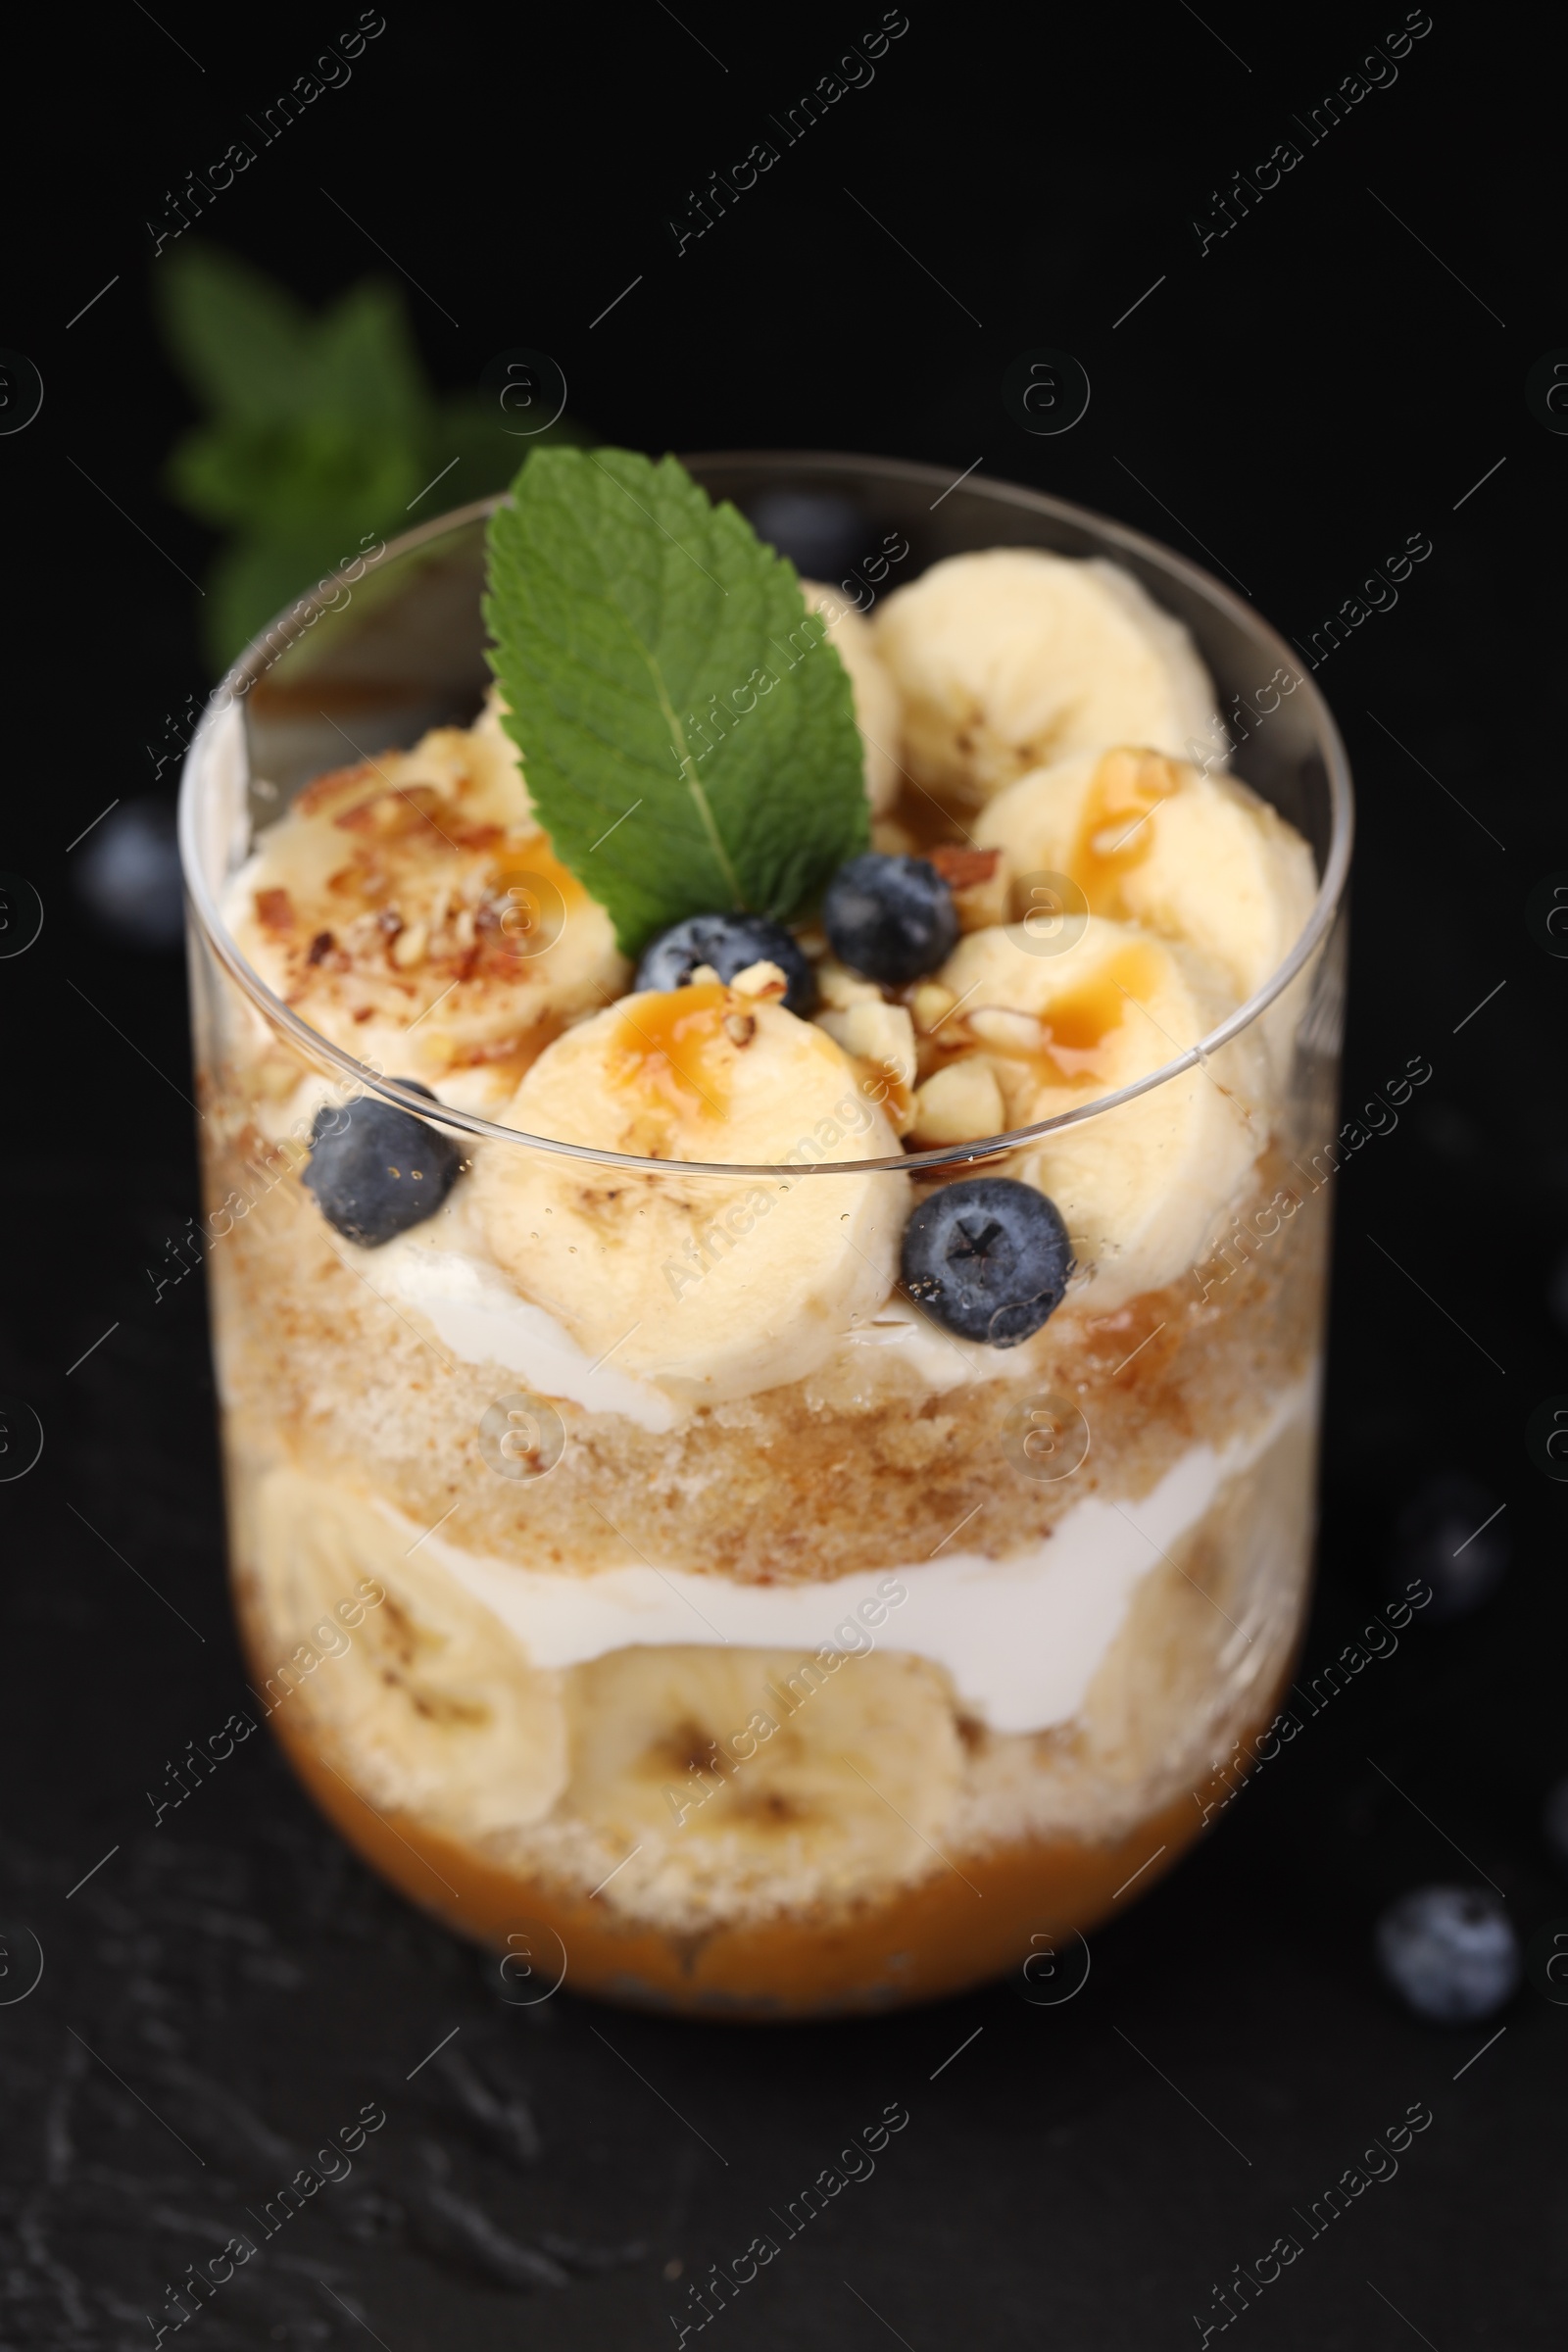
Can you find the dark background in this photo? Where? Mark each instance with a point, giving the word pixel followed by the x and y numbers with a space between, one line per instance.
pixel 1322 383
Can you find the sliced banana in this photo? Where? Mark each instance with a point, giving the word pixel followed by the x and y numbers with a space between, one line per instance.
pixel 1155 841
pixel 762 1762
pixel 876 699
pixel 410 910
pixel 1140 1186
pixel 432 1700
pixel 714 1286
pixel 495 759
pixel 1012 658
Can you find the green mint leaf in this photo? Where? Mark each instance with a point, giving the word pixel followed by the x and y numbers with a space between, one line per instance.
pixel 366 365
pixel 258 358
pixel 241 339
pixel 319 429
pixel 686 728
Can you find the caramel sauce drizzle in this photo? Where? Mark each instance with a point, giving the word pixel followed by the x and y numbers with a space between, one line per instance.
pixel 1113 835
pixel 672 1046
pixel 1077 1030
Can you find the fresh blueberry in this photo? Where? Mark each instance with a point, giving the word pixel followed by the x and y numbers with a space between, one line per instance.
pixel 821 533
pixel 377 1171
pixel 988 1258
pixel 1453 1537
pixel 1450 1953
pixel 129 876
pixel 729 943
pixel 891 918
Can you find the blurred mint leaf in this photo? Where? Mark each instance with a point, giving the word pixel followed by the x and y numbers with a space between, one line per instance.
pixel 242 342
pixel 309 478
pixel 321 432
pixel 470 429
pixel 687 730
pixel 366 368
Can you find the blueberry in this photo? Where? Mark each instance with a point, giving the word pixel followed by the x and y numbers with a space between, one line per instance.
pixel 988 1258
pixel 821 533
pixel 129 875
pixel 891 918
pixel 1450 1953
pixel 729 943
pixel 1452 1537
pixel 377 1171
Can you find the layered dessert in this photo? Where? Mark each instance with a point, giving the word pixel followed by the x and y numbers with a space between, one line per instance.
pixel 834 1493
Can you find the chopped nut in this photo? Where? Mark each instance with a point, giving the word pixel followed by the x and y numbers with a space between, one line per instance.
pixel 892 839
pixel 740 1027
pixel 391 815
pixel 324 789
pixel 703 976
pixel 320 947
pixel 961 868
pixel 762 979
pixel 363 937
pixel 929 1003
pixel 407 948
pixel 370 815
pixel 1011 1032
pixel 979 881
pixel 880 1039
pixel 839 988
pixel 275 909
pixel 960 1105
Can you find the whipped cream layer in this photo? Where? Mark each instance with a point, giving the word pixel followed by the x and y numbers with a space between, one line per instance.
pixel 482 1317
pixel 442 1271
pixel 1021 1637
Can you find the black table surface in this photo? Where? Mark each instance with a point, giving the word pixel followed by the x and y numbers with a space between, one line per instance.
pixel 1288 402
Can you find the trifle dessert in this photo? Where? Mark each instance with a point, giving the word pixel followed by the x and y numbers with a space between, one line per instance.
pixel 767 1315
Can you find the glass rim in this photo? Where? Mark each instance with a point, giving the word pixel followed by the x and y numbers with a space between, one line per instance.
pixel 248 667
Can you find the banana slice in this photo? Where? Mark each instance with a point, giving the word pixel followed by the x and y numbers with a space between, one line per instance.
pixel 1140 1186
pixel 761 1762
pixel 411 909
pixel 876 699
pixel 714 1286
pixel 1152 840
pixel 432 1699
pixel 1012 658
pixel 495 762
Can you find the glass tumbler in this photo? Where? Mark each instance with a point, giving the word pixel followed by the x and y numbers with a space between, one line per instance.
pixel 833 1694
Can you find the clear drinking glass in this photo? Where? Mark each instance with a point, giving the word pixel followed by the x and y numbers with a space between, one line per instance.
pixel 915 1668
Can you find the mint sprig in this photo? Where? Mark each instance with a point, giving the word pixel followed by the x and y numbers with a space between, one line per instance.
pixel 320 430
pixel 686 727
